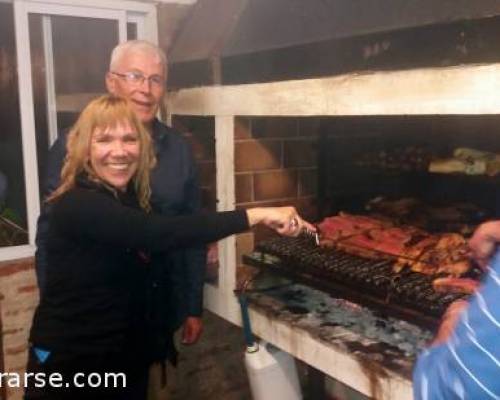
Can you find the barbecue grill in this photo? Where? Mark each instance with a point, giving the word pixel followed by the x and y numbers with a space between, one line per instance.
pixel 407 295
pixel 357 166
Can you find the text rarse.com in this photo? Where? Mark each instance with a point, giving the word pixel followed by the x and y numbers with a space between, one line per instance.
pixel 56 380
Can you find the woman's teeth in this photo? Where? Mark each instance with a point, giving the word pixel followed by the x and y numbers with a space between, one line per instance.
pixel 118 167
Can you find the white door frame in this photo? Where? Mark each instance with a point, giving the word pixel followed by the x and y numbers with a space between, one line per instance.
pixel 220 299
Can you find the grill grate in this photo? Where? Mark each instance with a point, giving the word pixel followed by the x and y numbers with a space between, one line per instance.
pixel 408 295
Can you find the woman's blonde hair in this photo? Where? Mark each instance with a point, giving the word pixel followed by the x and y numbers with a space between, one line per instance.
pixel 105 112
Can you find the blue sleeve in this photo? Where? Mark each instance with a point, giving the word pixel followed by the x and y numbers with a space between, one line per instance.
pixel 54 164
pixel 195 257
pixel 467 365
pixel 51 182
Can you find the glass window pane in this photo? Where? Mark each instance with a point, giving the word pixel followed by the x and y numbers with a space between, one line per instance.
pixel 78 65
pixel 12 189
pixel 82 47
pixel 131 31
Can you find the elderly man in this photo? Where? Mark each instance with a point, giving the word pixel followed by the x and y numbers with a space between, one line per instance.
pixel 138 72
pixel 464 360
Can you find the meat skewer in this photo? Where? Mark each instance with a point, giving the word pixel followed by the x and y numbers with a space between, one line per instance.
pixel 391 256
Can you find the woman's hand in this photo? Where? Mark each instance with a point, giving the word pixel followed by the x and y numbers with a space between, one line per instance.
pixel 484 241
pixel 284 220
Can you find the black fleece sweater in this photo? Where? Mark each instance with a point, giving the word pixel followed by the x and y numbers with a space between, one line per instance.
pixel 96 280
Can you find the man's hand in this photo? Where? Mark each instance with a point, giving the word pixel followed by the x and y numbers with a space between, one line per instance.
pixel 191 331
pixel 484 241
pixel 449 321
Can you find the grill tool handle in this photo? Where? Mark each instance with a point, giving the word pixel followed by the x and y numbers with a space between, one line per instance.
pixel 252 345
pixel 314 236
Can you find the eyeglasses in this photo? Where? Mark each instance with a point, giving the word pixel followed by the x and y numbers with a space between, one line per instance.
pixel 137 78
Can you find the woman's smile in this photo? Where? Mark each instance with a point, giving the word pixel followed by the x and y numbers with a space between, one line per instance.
pixel 114 154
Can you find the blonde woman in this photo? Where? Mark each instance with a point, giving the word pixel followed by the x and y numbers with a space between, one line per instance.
pixel 91 318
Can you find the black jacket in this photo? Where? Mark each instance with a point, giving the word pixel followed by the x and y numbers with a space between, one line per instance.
pixel 177 277
pixel 95 294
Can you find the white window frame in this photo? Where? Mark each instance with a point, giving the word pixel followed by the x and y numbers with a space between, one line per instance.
pixel 144 15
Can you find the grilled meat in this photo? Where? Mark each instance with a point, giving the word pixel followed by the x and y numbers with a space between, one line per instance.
pixel 455 285
pixel 363 236
pixel 411 256
pixel 345 225
pixel 411 247
pixel 446 253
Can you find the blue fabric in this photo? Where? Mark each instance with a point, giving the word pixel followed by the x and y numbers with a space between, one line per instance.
pixel 467 366
pixel 41 354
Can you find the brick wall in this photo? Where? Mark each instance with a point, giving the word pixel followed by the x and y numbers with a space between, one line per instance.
pixel 18 299
pixel 275 164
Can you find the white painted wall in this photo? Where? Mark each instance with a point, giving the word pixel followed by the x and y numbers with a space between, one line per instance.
pixel 467 89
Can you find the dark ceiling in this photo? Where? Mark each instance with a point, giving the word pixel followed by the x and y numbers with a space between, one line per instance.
pixel 235 27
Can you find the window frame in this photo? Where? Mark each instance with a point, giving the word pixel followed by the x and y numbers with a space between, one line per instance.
pixel 142 14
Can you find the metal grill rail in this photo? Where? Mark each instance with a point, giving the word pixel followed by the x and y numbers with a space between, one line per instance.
pixel 408 295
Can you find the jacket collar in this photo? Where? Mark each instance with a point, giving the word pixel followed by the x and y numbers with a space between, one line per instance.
pixel 83 180
pixel 159 133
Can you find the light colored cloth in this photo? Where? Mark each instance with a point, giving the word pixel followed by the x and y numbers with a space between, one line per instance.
pixel 467 365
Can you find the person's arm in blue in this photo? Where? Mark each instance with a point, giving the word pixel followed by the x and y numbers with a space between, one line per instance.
pixel 51 181
pixel 195 264
pixel 464 361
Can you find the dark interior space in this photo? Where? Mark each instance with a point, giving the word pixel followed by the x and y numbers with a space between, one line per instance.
pixel 366 161
pixel 464 42
pixel 261 41
pixel 11 165
pixel 361 158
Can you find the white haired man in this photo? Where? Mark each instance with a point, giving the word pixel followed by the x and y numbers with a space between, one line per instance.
pixel 137 72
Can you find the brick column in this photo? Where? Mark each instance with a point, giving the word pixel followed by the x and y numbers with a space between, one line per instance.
pixel 18 300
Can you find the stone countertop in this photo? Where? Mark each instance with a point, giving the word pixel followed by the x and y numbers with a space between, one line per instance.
pixel 351 343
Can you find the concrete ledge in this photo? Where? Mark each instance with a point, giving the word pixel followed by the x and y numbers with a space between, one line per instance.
pixel 471 89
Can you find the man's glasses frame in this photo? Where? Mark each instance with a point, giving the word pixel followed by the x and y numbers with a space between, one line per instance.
pixel 137 78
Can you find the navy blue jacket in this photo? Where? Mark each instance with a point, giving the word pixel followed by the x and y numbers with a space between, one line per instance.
pixel 177 291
